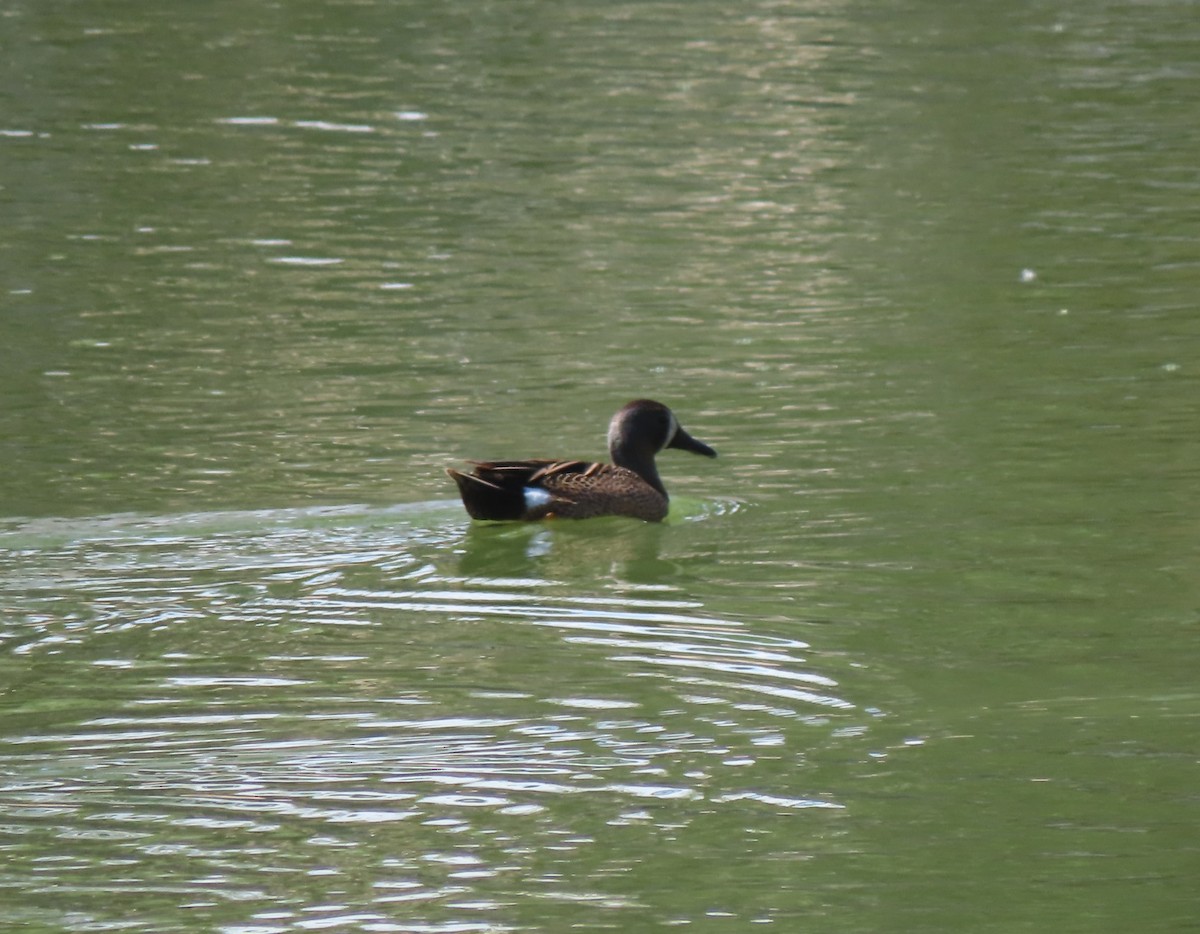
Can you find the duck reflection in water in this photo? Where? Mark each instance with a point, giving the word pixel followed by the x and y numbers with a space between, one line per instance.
pixel 607 549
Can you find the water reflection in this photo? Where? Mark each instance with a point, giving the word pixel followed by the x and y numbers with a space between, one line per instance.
pixel 615 548
pixel 625 550
pixel 229 695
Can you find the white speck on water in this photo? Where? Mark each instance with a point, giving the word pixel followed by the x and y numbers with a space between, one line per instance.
pixel 307 260
pixel 249 121
pixel 335 127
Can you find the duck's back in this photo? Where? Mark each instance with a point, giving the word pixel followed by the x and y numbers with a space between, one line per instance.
pixel 536 489
pixel 602 490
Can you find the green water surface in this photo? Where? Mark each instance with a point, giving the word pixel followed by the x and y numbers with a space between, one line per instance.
pixel 918 652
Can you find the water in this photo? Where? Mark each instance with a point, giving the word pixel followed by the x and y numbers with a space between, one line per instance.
pixel 917 652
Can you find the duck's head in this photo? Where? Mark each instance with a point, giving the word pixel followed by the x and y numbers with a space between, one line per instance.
pixel 640 430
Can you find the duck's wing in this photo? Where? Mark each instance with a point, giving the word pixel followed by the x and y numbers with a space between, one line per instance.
pixel 513 489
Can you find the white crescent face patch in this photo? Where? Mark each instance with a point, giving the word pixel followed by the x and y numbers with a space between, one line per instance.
pixel 672 429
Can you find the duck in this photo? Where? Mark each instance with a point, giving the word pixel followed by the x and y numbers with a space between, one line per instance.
pixel 540 488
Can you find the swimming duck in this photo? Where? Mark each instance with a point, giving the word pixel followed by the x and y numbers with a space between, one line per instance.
pixel 544 489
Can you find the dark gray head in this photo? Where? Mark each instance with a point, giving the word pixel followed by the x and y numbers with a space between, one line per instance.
pixel 640 430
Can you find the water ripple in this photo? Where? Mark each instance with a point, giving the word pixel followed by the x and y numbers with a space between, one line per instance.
pixel 261 689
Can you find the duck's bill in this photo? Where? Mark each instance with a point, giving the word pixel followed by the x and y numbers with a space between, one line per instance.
pixel 686 442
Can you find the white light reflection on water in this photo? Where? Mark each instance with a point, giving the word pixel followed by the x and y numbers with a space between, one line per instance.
pixel 324 692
